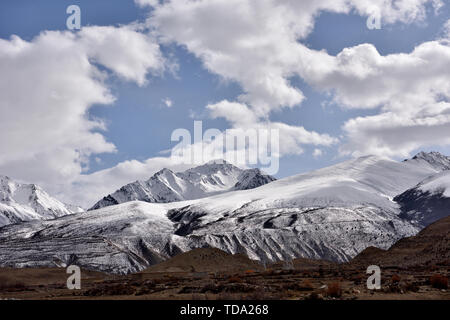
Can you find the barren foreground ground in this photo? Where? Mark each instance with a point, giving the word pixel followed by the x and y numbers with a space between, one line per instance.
pixel 341 282
pixel 414 268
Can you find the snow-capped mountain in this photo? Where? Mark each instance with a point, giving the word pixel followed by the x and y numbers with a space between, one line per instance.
pixel 252 178
pixel 167 186
pixel 24 202
pixel 435 159
pixel 427 202
pixel 332 213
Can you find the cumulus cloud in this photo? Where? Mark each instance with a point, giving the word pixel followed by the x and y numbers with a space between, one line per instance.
pixel 292 138
pixel 398 134
pixel 256 42
pixel 411 92
pixel 48 85
pixel 259 45
pixel 130 54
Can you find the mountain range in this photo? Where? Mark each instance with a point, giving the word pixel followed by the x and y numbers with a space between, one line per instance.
pixel 21 202
pixel 167 186
pixel 332 213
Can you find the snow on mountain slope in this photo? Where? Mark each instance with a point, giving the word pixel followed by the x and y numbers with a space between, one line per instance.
pixel 333 213
pixel 437 184
pixel 132 236
pixel 110 239
pixel 252 178
pixel 24 202
pixel 363 181
pixel 427 202
pixel 434 159
pixel 166 186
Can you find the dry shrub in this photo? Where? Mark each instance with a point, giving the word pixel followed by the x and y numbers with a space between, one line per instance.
pixel 411 286
pixel 439 281
pixel 307 285
pixel 395 278
pixel 334 290
pixel 314 296
pixel 234 279
pixel 295 286
pixel 357 279
pixel 269 272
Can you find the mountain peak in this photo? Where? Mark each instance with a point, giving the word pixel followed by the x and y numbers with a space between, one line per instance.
pixel 214 177
pixel 216 161
pixel 24 202
pixel 428 155
pixel 163 171
pixel 434 158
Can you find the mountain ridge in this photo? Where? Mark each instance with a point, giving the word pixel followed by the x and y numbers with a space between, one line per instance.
pixel 21 202
pixel 166 186
pixel 332 213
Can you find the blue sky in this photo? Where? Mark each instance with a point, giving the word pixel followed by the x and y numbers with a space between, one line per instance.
pixel 139 124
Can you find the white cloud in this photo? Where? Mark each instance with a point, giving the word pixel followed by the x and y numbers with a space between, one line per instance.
pixel 238 114
pixel 398 134
pixel 48 85
pixel 409 91
pixel 167 102
pixel 292 138
pixel 258 44
pixel 130 54
pixel 143 3
pixel 446 30
pixel 317 153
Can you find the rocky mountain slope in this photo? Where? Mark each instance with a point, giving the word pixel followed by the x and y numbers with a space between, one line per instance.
pixel 429 247
pixel 332 213
pixel 435 159
pixel 167 186
pixel 427 202
pixel 24 202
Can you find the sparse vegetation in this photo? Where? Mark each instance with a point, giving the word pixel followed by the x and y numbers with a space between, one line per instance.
pixel 395 279
pixel 439 281
pixel 234 279
pixel 334 290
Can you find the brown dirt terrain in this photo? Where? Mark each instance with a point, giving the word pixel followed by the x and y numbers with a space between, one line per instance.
pixel 206 260
pixel 430 247
pixel 414 268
